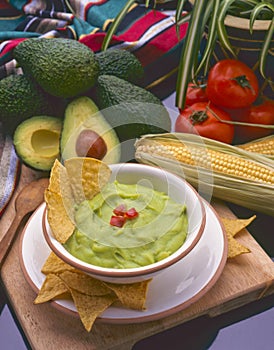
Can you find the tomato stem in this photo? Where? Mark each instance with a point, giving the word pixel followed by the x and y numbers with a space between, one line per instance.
pixel 264 126
pixel 198 117
pixel 242 81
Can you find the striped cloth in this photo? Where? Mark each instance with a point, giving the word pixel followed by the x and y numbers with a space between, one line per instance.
pixel 9 171
pixel 149 33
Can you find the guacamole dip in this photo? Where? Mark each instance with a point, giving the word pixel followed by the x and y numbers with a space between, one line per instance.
pixel 157 228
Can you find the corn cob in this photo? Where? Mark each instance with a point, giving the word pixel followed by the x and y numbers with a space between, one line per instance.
pixel 215 168
pixel 264 146
pixel 215 160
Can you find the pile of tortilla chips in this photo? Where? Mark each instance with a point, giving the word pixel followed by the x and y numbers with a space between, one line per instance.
pixel 232 227
pixel 90 296
pixel 80 179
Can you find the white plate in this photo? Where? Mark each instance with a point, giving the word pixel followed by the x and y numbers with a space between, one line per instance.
pixel 171 291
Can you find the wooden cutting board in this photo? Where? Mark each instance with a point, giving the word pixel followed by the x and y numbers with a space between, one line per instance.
pixel 244 279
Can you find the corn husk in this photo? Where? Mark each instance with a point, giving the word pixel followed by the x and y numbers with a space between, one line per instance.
pixel 255 195
pixel 264 146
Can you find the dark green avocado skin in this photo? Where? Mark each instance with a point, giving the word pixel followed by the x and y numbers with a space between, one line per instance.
pixel 131 110
pixel 120 63
pixel 22 98
pixel 62 67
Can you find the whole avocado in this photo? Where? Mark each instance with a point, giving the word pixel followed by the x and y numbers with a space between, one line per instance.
pixel 21 98
pixel 131 110
pixel 62 67
pixel 121 63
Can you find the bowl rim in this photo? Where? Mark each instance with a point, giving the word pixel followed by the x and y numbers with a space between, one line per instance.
pixel 130 272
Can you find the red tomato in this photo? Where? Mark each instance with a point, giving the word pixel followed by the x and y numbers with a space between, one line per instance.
pixel 202 118
pixel 255 114
pixel 232 84
pixel 196 93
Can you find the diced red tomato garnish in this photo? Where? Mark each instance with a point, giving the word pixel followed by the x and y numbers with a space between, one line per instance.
pixel 120 210
pixel 131 213
pixel 122 214
pixel 117 220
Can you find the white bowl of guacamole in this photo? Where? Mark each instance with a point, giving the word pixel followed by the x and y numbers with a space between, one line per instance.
pixel 144 220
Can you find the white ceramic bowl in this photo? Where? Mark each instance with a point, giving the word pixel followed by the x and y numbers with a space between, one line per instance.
pixel 161 180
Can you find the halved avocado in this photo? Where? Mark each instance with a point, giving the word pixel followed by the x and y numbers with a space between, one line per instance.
pixel 86 133
pixel 36 141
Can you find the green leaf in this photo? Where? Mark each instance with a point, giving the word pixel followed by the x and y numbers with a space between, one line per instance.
pixel 212 12
pixel 184 19
pixel 178 15
pixel 190 51
pixel 265 48
pixel 221 30
pixel 257 11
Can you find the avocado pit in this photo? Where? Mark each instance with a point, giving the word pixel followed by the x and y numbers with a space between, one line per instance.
pixel 90 144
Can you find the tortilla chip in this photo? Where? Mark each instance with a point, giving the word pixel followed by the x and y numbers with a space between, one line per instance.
pixel 234 226
pixel 90 307
pixel 59 217
pixel 84 283
pixel 87 176
pixel 131 295
pixel 54 264
pixel 52 287
pixel 64 296
pixel 60 203
pixel 235 248
pixel 59 181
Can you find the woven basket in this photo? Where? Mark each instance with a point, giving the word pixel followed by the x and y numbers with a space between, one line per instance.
pixel 247 48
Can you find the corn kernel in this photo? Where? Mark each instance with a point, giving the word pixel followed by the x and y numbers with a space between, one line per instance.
pixel 263 146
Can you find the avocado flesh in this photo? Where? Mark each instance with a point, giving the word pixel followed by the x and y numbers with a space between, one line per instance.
pixel 83 114
pixel 62 67
pixel 36 141
pixel 131 110
pixel 120 63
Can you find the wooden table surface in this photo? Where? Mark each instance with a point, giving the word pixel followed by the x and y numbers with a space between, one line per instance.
pixel 244 279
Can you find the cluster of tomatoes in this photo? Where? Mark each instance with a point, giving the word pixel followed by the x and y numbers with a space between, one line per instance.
pixel 229 96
